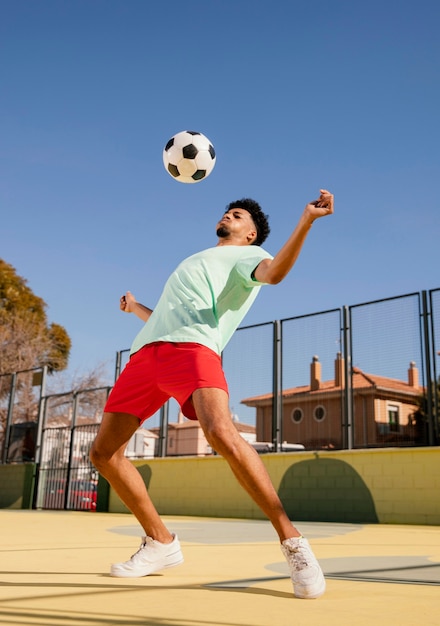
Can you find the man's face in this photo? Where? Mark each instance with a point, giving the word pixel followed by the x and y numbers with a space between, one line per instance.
pixel 237 223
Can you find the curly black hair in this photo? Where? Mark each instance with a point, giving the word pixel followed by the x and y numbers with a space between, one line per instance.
pixel 259 218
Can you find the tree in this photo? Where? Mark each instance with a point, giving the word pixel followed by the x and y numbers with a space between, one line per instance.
pixel 27 342
pixel 26 339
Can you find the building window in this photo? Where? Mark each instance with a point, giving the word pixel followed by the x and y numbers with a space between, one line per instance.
pixel 319 413
pixel 393 418
pixel 297 415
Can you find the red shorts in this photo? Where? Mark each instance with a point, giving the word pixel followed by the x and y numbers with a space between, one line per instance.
pixel 163 370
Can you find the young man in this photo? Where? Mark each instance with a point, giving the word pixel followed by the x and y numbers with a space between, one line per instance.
pixel 177 354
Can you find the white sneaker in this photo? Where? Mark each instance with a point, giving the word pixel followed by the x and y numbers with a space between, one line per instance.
pixel 305 571
pixel 151 557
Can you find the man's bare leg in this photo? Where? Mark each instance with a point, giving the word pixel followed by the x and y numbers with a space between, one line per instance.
pixel 107 454
pixel 213 413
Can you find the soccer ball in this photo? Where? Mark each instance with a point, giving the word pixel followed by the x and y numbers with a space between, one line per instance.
pixel 189 157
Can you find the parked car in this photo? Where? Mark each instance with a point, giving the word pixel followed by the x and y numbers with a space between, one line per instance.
pixel 82 495
pixel 267 446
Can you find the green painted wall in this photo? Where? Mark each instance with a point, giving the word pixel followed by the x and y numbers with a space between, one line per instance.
pixel 386 486
pixel 399 486
pixel 16 486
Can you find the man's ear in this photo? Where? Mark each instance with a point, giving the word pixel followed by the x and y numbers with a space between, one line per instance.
pixel 252 235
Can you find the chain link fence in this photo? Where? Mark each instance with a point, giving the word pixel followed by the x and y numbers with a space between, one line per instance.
pixel 361 376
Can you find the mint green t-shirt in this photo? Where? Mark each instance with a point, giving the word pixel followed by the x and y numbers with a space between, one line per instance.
pixel 205 298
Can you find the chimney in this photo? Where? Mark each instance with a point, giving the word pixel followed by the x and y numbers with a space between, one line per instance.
pixel 315 374
pixel 413 375
pixel 339 370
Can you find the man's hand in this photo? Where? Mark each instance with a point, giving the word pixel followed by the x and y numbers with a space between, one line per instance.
pixel 324 205
pixel 127 302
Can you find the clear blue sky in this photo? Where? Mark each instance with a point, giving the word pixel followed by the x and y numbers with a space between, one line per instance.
pixel 295 96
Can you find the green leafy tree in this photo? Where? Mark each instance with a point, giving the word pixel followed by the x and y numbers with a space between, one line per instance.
pixel 27 340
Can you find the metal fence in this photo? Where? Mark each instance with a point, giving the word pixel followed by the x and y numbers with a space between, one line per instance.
pixel 66 477
pixel 359 376
pixel 54 431
pixel 20 414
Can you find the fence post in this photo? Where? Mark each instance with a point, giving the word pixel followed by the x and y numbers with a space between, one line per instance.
pixel 427 353
pixel 436 381
pixel 163 430
pixel 41 415
pixel 276 389
pixel 347 415
pixel 118 364
pixel 9 416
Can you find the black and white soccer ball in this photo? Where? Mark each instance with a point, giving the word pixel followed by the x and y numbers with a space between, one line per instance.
pixel 189 157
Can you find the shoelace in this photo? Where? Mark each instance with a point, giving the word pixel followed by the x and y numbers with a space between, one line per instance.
pixel 297 558
pixel 145 541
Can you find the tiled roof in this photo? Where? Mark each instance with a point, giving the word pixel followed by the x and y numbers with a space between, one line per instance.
pixel 360 380
pixel 240 426
pixel 244 428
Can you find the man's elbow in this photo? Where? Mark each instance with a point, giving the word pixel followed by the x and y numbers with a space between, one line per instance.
pixel 273 279
pixel 268 275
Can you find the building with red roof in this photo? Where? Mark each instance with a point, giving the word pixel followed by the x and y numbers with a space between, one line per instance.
pixel 383 409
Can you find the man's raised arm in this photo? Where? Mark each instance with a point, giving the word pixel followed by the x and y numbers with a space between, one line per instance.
pixel 272 271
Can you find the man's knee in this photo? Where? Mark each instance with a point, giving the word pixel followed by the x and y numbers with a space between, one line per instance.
pixel 225 441
pixel 94 456
pixel 113 436
pixel 99 456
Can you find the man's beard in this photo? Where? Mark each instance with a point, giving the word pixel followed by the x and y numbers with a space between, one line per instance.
pixel 222 231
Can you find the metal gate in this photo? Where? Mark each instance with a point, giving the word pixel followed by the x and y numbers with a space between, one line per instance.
pixel 66 477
